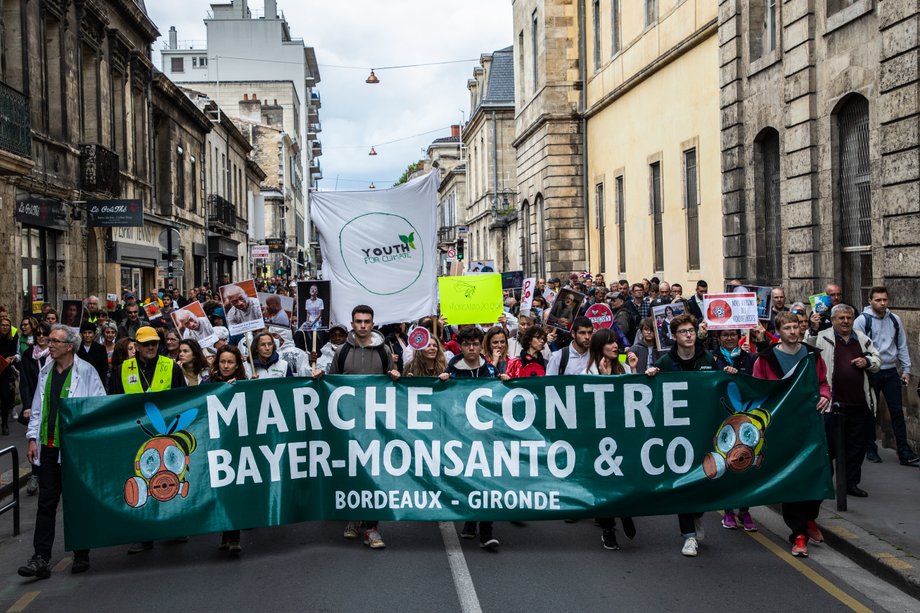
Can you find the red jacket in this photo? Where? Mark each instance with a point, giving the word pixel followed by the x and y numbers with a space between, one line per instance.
pixel 767 367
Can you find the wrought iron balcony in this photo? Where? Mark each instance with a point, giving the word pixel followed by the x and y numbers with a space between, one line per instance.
pixel 316 100
pixel 448 234
pixel 221 212
pixel 314 166
pixel 15 122
pixel 99 169
pixel 317 148
pixel 313 129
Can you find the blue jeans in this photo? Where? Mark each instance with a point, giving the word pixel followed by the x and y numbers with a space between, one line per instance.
pixel 888 382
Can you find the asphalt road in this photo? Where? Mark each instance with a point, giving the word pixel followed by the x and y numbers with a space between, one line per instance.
pixel 541 566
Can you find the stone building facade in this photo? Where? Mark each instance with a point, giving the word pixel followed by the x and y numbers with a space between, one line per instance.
pixel 821 149
pixel 491 167
pixel 549 136
pixel 653 154
pixel 76 105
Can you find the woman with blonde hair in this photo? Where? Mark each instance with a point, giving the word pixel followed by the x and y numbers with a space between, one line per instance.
pixel 427 362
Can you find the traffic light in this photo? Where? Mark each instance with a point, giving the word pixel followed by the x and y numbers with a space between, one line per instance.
pixel 459 248
pixel 280 271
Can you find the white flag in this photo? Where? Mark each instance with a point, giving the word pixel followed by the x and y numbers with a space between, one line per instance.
pixel 380 249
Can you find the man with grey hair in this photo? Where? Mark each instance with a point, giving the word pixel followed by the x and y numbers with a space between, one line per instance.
pixel 63 376
pixel 91 310
pixel 849 355
pixel 243 309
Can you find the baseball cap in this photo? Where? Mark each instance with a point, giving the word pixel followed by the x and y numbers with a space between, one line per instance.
pixel 145 334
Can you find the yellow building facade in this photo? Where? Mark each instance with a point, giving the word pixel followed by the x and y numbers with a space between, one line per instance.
pixel 653 140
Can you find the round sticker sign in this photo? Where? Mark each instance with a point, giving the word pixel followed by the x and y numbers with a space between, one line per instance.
pixel 600 315
pixel 719 312
pixel 419 337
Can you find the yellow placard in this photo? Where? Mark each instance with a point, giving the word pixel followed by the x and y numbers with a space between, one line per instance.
pixel 472 299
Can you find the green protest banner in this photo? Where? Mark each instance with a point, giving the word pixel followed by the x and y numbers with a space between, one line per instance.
pixel 279 451
pixel 471 299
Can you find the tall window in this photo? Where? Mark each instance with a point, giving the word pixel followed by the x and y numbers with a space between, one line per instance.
pixel 770 26
pixel 180 178
pixel 621 223
pixel 651 12
pixel 614 27
pixel 177 64
pixel 596 30
pixel 90 95
pixel 534 27
pixel 854 198
pixel 767 191
pixel 521 69
pixel 55 113
pixel 692 207
pixel 600 221
pixel 541 235
pixel 656 206
pixel 193 203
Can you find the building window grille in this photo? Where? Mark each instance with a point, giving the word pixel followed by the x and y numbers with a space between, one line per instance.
pixel 657 222
pixel 600 221
pixel 621 223
pixel 692 206
pixel 854 199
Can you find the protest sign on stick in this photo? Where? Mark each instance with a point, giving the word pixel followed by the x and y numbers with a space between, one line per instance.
pixel 730 311
pixel 471 299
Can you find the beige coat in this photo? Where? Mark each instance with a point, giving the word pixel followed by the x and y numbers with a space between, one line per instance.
pixel 825 341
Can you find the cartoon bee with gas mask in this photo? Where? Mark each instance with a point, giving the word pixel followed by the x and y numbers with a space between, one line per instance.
pixel 161 464
pixel 740 439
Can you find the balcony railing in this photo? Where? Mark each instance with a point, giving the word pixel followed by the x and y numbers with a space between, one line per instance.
pixel 317 148
pixel 313 129
pixel 15 122
pixel 99 169
pixel 447 234
pixel 221 211
pixel 314 166
pixel 316 100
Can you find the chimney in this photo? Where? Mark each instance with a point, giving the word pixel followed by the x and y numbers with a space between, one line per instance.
pixel 254 97
pixel 271 9
pixel 173 38
pixel 455 131
pixel 245 97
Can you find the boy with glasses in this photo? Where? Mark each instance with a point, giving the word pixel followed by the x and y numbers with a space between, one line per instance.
pixel 687 354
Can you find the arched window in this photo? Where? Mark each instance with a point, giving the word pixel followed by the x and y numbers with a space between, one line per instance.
pixel 854 198
pixel 768 208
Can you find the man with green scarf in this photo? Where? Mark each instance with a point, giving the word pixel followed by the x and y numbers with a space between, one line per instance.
pixel 63 376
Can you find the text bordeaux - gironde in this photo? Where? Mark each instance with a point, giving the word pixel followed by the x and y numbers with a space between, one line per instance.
pixel 379 408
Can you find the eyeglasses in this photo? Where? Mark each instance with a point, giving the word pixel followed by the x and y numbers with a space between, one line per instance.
pixel 686 332
pixel 149 343
pixel 56 341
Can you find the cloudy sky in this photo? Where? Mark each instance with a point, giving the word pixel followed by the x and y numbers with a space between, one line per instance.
pixel 366 33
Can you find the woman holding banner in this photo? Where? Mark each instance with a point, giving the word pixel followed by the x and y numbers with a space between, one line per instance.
pixel 604 359
pixel 228 368
pixel 429 362
pixel 531 361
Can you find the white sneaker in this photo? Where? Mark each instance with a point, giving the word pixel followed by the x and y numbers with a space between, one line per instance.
pixel 690 547
pixel 698 526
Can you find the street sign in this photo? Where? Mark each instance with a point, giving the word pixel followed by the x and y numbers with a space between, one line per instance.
pixel 451 254
pixel 260 252
pixel 114 213
pixel 163 239
pixel 177 265
pixel 275 245
pixel 463 229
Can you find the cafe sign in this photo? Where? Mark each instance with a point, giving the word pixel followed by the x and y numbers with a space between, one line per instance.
pixel 114 213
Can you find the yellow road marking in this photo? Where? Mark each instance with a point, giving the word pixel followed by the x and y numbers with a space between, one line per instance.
pixel 894 562
pixel 20 605
pixel 810 573
pixel 62 565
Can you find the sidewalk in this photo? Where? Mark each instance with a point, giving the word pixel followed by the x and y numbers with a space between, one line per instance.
pixel 882 532
pixel 16 438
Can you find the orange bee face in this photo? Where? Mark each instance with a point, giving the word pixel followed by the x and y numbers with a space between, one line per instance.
pixel 160 467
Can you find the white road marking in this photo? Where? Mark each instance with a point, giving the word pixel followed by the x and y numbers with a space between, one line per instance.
pixel 463 582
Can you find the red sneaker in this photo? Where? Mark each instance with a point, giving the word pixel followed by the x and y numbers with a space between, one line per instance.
pixel 800 546
pixel 814 532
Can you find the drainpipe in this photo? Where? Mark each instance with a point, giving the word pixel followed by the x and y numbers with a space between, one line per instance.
pixel 583 69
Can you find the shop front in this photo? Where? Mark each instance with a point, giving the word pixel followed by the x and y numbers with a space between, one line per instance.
pixel 43 223
pixel 223 253
pixel 135 250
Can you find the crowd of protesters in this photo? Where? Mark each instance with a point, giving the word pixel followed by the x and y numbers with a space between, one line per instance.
pixel 132 347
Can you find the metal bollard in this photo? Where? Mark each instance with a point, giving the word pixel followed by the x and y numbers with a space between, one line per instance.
pixel 840 461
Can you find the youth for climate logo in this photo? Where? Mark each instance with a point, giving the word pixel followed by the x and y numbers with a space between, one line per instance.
pixel 378 263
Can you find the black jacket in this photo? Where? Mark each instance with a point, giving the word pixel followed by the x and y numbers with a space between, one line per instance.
pixel 97 356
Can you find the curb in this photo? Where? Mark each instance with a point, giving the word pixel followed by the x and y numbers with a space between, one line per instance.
pixel 7 480
pixel 888 561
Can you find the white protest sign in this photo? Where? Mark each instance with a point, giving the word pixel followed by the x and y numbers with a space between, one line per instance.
pixel 730 311
pixel 530 283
